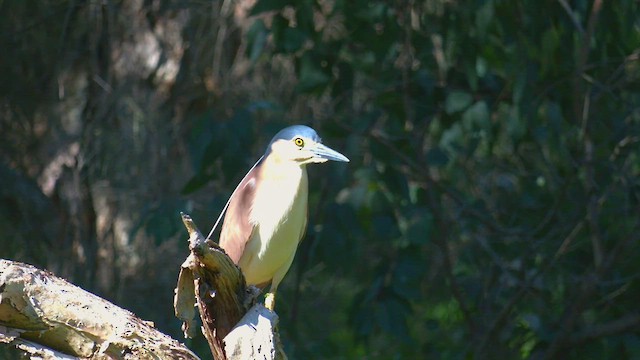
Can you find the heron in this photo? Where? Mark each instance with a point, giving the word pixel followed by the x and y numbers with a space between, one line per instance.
pixel 266 216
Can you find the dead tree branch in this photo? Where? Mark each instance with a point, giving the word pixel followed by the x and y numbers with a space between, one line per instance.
pixel 211 281
pixel 48 317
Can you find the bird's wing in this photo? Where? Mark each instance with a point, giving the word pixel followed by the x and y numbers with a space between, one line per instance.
pixel 237 228
pixel 303 231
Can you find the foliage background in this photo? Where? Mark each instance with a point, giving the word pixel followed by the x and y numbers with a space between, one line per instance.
pixel 491 208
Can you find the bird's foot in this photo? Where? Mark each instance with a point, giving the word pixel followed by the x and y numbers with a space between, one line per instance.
pixel 270 301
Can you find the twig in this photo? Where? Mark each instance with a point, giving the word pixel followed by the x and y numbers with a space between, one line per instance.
pixel 572 15
pixel 629 322
pixel 442 242
pixel 525 287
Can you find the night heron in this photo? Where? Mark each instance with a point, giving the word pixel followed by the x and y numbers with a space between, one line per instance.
pixel 266 215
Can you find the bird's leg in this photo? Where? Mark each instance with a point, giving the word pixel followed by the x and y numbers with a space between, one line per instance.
pixel 270 300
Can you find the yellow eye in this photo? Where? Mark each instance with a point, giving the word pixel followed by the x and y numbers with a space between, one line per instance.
pixel 299 142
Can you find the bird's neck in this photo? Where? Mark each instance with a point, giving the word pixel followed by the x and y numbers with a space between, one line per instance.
pixel 282 187
pixel 284 170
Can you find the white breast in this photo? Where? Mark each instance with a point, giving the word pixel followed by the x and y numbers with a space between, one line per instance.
pixel 279 213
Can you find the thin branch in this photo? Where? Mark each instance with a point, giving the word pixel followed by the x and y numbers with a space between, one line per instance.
pixel 572 15
pixel 448 266
pixel 584 292
pixel 423 172
pixel 525 287
pixel 590 185
pixel 624 324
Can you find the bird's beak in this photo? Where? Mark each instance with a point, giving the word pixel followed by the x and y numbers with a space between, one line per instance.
pixel 322 153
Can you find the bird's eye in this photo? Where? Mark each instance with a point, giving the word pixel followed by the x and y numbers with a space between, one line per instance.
pixel 299 142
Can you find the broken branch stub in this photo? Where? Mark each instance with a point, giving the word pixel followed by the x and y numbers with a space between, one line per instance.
pixel 235 327
pixel 210 280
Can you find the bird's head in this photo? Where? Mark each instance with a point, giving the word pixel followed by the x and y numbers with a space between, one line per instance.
pixel 301 144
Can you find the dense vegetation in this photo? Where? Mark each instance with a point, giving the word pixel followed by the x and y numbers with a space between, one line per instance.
pixel 491 208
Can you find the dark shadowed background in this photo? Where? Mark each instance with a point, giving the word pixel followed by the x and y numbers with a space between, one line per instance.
pixel 491 209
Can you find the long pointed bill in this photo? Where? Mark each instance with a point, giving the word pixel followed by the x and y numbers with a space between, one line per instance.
pixel 324 153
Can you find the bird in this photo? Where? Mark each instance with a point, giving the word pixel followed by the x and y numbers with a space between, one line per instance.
pixel 265 217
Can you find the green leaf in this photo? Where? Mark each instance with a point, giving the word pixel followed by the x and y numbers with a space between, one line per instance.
pixel 268 5
pixel 437 157
pixel 311 79
pixel 515 125
pixel 476 117
pixel 407 276
pixel 519 86
pixel 198 181
pixel 419 223
pixel 292 39
pixel 481 66
pixel 632 345
pixel 550 44
pixel 391 315
pixel 257 38
pixel 304 16
pixel 385 228
pixel 452 138
pixel 484 18
pixel 457 101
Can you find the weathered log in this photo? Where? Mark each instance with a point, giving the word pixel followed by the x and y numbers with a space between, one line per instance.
pixel 49 317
